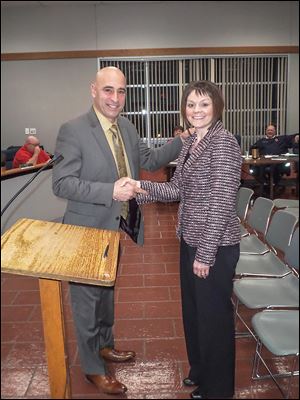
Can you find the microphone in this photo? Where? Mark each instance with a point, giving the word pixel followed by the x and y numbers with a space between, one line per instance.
pixel 55 160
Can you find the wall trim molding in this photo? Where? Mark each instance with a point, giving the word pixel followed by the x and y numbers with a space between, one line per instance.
pixel 49 55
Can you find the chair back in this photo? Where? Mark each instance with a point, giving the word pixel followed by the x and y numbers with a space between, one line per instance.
pixel 260 215
pixel 242 202
pixel 283 203
pixel 9 155
pixel 281 229
pixel 292 252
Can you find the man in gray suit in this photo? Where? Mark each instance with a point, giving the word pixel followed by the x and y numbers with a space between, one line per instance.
pixel 89 178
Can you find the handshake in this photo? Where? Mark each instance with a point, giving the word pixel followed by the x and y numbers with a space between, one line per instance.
pixel 126 189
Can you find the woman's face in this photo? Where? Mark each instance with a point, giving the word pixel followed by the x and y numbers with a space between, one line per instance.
pixel 199 111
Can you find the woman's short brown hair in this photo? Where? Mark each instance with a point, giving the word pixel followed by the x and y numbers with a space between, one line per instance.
pixel 204 88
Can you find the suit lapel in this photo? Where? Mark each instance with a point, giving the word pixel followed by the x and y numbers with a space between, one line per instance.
pixel 202 145
pixel 100 137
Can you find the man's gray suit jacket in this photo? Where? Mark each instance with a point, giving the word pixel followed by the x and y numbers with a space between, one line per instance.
pixel 86 175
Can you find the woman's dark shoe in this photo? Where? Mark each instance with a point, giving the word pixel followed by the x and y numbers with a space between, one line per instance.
pixel 189 382
pixel 198 394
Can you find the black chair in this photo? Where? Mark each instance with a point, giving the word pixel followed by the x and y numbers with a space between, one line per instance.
pixel 9 155
pixel 3 159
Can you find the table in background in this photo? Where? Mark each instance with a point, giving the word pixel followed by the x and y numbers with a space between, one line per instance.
pixel 271 161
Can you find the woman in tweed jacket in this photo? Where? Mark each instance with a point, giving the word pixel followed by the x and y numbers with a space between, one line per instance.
pixel 206 182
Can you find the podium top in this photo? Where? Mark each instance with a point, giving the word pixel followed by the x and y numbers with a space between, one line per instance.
pixel 60 251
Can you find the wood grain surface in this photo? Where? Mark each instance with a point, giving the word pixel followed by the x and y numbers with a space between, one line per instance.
pixel 60 251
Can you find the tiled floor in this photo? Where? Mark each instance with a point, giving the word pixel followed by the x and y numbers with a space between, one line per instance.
pixel 148 320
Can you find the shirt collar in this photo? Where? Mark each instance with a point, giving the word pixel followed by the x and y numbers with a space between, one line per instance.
pixel 104 122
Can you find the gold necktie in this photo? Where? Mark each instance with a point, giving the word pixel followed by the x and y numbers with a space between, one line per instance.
pixel 121 164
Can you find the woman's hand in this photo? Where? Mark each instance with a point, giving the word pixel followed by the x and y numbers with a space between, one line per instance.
pixel 200 269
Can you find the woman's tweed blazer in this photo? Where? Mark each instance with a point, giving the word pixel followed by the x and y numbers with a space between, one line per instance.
pixel 206 186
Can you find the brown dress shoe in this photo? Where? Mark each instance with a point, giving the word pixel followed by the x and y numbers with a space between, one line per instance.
pixel 116 355
pixel 107 384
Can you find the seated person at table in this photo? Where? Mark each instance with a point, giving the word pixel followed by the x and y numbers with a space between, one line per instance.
pixel 272 144
pixel 30 153
pixel 177 130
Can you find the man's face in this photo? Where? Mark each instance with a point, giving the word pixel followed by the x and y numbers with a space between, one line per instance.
pixel 32 145
pixel 109 92
pixel 177 132
pixel 270 131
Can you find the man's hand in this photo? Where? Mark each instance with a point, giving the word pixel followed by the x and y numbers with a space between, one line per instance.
pixel 200 269
pixel 126 189
pixel 187 133
pixel 36 150
pixel 35 156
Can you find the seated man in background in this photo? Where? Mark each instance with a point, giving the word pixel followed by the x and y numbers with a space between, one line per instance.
pixel 30 153
pixel 177 130
pixel 272 144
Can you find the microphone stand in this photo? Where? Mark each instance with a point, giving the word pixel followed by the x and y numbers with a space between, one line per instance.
pixel 53 161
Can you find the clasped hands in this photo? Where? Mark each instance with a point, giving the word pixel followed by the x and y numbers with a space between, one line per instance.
pixel 126 189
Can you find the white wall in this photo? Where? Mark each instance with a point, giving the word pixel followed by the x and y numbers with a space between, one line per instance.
pixel 127 25
pixel 196 24
pixel 44 94
pixel 37 201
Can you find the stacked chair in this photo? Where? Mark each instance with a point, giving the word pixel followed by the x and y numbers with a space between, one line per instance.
pixel 292 206
pixel 283 203
pixel 258 222
pixel 294 211
pixel 270 287
pixel 244 196
pixel 278 330
pixel 268 292
pixel 267 263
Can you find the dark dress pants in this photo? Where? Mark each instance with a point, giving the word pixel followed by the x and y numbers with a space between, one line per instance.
pixel 208 319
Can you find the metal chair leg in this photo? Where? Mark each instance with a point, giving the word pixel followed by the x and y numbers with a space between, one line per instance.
pixel 256 376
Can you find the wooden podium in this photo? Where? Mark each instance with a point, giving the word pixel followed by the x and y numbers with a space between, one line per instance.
pixel 55 252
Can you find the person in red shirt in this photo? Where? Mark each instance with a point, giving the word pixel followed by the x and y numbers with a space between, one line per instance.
pixel 30 153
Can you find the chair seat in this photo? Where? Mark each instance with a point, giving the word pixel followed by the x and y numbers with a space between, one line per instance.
pixel 278 331
pixel 282 203
pixel 267 264
pixel 253 245
pixel 269 292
